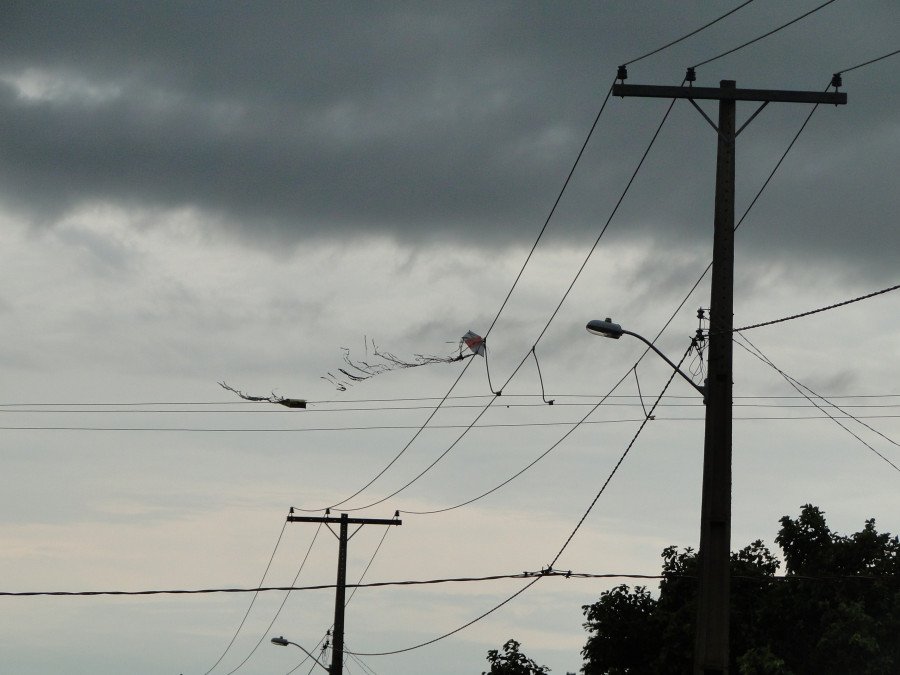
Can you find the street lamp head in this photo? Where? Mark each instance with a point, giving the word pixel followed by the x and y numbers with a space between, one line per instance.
pixel 605 328
pixel 280 641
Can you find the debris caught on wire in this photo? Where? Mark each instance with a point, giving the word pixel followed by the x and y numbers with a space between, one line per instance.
pixel 272 398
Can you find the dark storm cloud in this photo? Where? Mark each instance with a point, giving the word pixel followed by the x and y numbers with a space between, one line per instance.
pixel 413 120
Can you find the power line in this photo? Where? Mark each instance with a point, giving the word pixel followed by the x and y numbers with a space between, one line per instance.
pixel 281 606
pixel 549 320
pixel 866 63
pixel 518 277
pixel 762 357
pixel 685 37
pixel 621 459
pixel 523 469
pixel 353 593
pixel 557 404
pixel 522 590
pixel 820 309
pixel 496 317
pixel 252 601
pixel 401 427
pixel 4 407
pixel 671 318
pixel 565 574
pixel 563 548
pixel 460 628
pixel 764 35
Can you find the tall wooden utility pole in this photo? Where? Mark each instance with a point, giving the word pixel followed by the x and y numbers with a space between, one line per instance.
pixel 337 648
pixel 711 640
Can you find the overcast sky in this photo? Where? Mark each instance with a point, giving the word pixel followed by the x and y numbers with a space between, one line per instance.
pixel 201 192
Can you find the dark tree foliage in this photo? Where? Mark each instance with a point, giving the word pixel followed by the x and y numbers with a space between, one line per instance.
pixel 835 623
pixel 512 662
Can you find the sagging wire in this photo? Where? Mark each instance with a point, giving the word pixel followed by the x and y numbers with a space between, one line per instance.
pixel 252 601
pixel 549 568
pixel 755 351
pixel 537 459
pixel 620 75
pixel 487 368
pixel 549 320
pixel 640 395
pixel 356 587
pixel 283 601
pixel 541 377
pixel 622 458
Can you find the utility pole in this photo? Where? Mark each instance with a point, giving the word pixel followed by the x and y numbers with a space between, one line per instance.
pixel 711 638
pixel 337 649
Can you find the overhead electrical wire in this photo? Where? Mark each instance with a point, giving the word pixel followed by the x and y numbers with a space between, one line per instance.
pixel 521 271
pixel 355 587
pixel 252 601
pixel 764 35
pixel 497 316
pixel 557 402
pixel 755 351
pixel 546 326
pixel 523 589
pixel 869 62
pixel 615 468
pixel 401 427
pixel 686 36
pixel 690 292
pixel 565 574
pixel 283 602
pixel 500 311
pixel 666 325
pixel 51 408
pixel 561 550
pixel 523 469
pixel 386 400
pixel 820 309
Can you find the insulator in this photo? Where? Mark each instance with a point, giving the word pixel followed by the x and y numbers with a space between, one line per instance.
pixel 622 74
pixel 691 76
pixel 836 80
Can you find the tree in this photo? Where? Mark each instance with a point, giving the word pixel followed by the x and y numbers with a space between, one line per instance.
pixel 512 662
pixel 836 610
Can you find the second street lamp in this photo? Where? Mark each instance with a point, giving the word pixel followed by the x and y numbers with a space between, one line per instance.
pixel 281 641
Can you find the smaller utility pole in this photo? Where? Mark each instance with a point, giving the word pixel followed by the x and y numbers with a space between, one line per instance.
pixel 337 650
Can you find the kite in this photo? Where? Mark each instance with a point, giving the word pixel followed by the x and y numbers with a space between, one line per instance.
pixel 474 342
pixel 379 362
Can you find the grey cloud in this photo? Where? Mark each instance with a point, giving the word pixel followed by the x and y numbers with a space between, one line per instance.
pixel 420 121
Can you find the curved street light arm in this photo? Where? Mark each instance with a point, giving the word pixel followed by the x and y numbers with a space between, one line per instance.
pixel 700 388
pixel 284 643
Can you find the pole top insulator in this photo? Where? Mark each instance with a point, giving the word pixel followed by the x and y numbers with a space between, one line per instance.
pixel 691 75
pixel 622 73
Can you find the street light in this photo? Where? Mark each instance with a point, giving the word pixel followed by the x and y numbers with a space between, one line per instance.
pixel 713 556
pixel 284 643
pixel 606 328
